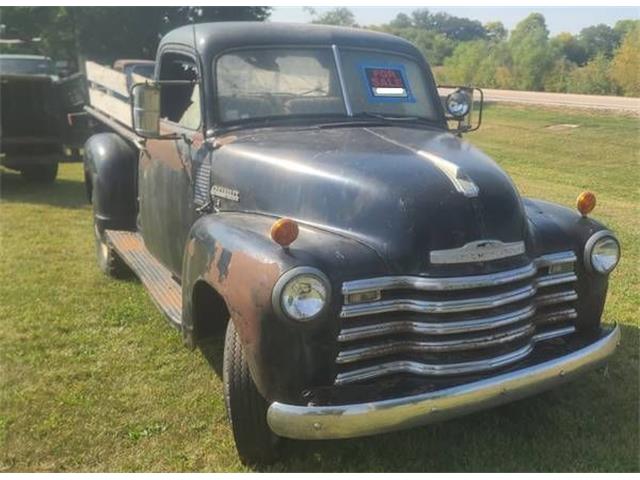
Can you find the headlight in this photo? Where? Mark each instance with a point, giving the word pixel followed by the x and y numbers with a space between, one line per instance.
pixel 301 293
pixel 602 252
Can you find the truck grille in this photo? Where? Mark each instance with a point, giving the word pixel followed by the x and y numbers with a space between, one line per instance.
pixel 456 325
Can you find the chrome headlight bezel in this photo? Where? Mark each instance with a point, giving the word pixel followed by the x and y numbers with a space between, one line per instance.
pixel 594 241
pixel 286 279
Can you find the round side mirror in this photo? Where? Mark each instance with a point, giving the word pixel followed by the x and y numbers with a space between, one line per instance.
pixel 458 104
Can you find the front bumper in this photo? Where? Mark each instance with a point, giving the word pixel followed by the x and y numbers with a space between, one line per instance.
pixel 355 420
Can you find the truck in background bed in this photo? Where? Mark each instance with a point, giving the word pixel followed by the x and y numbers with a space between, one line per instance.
pixel 302 192
pixel 33 128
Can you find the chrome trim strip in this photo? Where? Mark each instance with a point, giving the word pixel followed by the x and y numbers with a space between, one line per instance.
pixel 448 306
pixel 419 368
pixel 343 84
pixel 554 317
pixel 555 259
pixel 405 346
pixel 555 279
pixel 439 284
pixel 408 326
pixel 355 420
pixel 442 306
pixel 457 283
pixel 554 298
pixel 560 332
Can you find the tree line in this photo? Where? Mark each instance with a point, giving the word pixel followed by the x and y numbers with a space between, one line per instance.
pixel 106 33
pixel 600 59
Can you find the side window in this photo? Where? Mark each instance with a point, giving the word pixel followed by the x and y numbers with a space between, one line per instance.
pixel 180 103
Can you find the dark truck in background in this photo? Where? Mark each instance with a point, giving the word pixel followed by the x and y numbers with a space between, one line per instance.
pixel 34 127
pixel 303 189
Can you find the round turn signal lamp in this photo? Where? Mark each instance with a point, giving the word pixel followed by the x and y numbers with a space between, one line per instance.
pixel 284 232
pixel 585 203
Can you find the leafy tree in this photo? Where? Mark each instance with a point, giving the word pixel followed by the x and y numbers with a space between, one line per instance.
pixel 530 52
pixel 625 67
pixel 107 33
pixel 558 78
pixel 402 20
pixel 434 46
pixel 495 31
pixel 623 27
pixel 599 39
pixel 340 16
pixel 570 47
pixel 455 28
pixel 593 78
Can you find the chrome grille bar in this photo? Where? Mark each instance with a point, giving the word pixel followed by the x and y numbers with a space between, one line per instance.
pixel 441 328
pixel 456 283
pixel 420 368
pixel 467 343
pixel 438 284
pixel 445 306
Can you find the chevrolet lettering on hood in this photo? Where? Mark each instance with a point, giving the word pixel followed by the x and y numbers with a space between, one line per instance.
pixel 303 195
pixel 480 251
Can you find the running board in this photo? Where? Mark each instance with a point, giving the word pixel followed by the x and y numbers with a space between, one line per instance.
pixel 164 290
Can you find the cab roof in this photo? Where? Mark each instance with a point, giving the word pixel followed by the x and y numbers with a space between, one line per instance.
pixel 213 38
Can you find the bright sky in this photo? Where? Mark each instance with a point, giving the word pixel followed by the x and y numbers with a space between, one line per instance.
pixel 559 19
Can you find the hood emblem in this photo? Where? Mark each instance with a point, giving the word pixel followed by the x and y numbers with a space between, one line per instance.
pixel 478 251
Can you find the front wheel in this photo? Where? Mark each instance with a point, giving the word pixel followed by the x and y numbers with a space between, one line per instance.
pixel 45 173
pixel 246 408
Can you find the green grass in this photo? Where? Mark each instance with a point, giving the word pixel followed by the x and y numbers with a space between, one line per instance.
pixel 93 379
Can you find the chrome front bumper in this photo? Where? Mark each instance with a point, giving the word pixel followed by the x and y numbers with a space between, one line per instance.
pixel 345 421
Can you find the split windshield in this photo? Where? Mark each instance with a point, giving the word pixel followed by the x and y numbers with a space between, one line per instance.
pixel 278 82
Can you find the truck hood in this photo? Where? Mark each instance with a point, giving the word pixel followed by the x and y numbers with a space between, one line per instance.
pixel 402 191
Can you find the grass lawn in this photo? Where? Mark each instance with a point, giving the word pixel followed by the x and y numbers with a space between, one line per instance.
pixel 93 379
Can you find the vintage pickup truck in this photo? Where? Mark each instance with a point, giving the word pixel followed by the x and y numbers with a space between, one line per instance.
pixel 304 189
pixel 34 133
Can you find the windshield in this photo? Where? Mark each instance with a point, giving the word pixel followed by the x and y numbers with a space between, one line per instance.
pixel 276 82
pixel 26 66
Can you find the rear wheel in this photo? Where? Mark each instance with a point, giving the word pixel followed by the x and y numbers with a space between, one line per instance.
pixel 44 173
pixel 108 259
pixel 246 408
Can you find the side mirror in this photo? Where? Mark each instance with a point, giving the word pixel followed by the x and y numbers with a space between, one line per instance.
pixel 459 106
pixel 145 109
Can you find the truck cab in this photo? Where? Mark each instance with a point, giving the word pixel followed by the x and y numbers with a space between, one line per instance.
pixel 304 190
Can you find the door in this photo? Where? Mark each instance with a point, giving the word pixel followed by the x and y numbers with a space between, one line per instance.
pixel 168 166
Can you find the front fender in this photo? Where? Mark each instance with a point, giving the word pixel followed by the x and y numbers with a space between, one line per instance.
pixel 556 228
pixel 234 254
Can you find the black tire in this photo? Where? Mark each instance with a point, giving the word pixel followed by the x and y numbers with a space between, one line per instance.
pixel 247 409
pixel 108 259
pixel 44 173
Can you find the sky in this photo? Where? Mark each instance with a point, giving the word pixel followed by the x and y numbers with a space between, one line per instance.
pixel 559 19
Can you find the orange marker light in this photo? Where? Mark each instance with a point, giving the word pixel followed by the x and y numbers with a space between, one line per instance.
pixel 284 232
pixel 586 203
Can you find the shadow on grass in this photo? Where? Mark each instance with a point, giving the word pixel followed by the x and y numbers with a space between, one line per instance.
pixel 62 193
pixel 588 424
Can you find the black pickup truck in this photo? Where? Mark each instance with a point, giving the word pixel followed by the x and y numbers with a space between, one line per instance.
pixel 304 189
pixel 34 129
